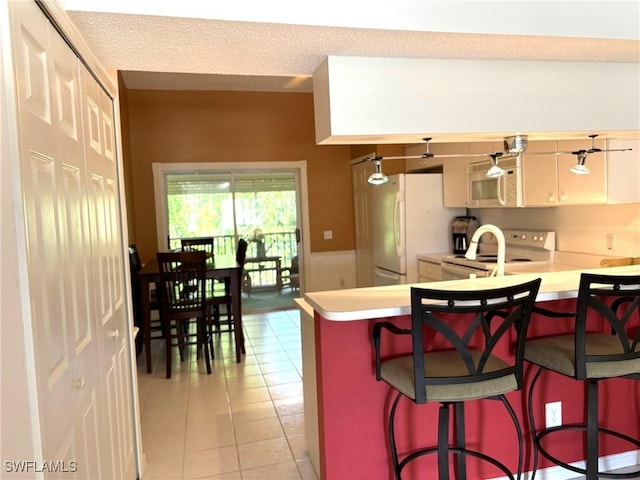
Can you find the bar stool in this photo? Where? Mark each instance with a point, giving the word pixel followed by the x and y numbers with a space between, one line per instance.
pixel 482 361
pixel 601 347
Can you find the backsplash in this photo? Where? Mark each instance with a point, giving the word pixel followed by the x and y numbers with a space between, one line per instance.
pixel 581 229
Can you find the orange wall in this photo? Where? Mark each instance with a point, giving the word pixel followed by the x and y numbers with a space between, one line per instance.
pixel 210 126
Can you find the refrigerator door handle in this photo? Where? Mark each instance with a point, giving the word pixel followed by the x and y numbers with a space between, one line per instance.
pixel 398 223
pixel 390 276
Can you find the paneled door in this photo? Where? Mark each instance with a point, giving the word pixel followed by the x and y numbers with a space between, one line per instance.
pixel 75 268
pixel 362 191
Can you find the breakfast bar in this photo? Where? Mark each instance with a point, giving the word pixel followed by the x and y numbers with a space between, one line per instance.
pixel 345 406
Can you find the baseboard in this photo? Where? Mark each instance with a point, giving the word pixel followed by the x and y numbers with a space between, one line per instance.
pixel 607 463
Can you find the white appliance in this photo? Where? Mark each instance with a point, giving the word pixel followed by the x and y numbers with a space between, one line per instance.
pixel 533 247
pixel 408 218
pixel 503 191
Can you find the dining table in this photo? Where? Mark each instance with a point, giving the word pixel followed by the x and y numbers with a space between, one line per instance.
pixel 219 267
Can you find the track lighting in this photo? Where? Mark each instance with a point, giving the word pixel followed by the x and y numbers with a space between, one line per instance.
pixel 495 171
pixel 377 177
pixel 580 168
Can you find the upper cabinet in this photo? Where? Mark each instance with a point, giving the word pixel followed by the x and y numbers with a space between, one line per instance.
pixel 421 164
pixel 540 175
pixel 454 169
pixel 575 189
pixel 613 179
pixel 623 172
pixel 454 173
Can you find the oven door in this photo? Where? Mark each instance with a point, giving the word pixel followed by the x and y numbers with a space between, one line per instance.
pixel 451 271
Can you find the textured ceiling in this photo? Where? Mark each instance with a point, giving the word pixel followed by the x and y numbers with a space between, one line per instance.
pixel 198 53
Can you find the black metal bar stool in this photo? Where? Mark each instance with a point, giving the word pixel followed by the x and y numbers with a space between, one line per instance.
pixel 481 362
pixel 591 353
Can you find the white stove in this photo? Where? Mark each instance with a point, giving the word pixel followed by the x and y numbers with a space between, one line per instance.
pixel 530 246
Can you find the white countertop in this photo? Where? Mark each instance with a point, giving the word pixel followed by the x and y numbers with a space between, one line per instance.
pixel 391 301
pixel 433 257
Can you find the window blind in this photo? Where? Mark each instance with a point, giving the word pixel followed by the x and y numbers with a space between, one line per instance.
pixel 211 183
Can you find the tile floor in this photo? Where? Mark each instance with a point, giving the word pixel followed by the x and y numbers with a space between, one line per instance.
pixel 244 421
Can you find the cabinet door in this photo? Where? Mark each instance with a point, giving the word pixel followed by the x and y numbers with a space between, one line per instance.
pixel 581 189
pixel 623 172
pixel 454 173
pixel 362 190
pixel 421 164
pixel 429 271
pixel 540 175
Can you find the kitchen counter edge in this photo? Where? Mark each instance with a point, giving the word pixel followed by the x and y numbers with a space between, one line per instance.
pixel 391 301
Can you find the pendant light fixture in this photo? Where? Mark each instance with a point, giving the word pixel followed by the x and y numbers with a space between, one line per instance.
pixel 580 168
pixel 377 177
pixel 495 170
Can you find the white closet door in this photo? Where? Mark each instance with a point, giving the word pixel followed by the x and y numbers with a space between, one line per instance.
pixel 70 192
pixel 108 286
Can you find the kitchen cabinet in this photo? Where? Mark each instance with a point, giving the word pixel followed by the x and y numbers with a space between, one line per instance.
pixel 614 178
pixel 413 165
pixel 540 175
pixel 454 173
pixel 623 172
pixel 429 270
pixel 454 169
pixel 581 189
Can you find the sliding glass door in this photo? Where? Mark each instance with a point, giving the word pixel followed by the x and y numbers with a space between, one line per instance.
pixel 260 206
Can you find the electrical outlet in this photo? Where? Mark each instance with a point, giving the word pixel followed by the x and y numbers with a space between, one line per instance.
pixel 553 414
pixel 610 241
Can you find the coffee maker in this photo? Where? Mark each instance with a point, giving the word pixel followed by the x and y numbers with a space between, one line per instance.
pixel 462 229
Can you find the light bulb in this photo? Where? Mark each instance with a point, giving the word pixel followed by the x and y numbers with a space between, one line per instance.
pixel 495 171
pixel 377 177
pixel 580 169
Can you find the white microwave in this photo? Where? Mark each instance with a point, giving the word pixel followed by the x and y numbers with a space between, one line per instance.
pixel 503 191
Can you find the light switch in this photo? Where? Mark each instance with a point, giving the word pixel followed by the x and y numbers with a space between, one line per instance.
pixel 328 234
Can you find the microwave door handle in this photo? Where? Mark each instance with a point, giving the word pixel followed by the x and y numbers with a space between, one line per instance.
pixel 501 190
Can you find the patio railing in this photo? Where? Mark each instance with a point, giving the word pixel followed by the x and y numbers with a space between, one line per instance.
pixel 277 244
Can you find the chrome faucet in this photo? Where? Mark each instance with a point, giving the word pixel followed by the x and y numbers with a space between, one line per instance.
pixel 473 247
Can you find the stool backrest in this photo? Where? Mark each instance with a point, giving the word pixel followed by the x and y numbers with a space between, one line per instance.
pixel 613 302
pixel 478 325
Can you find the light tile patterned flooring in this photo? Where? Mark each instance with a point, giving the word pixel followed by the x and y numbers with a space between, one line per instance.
pixel 244 421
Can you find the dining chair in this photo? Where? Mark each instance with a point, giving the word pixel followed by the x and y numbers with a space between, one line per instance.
pixel 290 276
pixel 184 298
pixel 156 330
pixel 474 351
pixel 205 244
pixel 224 297
pixel 604 344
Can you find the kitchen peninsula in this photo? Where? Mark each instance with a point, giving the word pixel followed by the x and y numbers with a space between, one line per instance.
pixel 345 406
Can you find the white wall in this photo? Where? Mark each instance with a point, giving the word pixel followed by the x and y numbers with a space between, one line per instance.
pixel 580 229
pixel 396 100
pixel 330 271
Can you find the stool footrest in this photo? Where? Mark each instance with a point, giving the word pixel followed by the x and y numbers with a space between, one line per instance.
pixel 583 471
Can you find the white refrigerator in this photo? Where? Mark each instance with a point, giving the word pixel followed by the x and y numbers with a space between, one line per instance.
pixel 409 218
